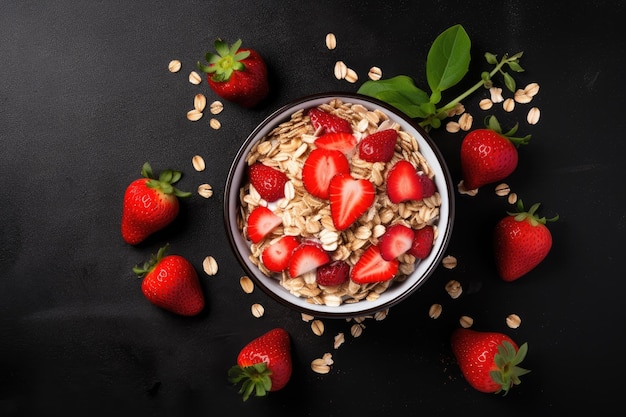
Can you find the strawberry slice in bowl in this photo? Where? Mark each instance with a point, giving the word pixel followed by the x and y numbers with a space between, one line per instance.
pixel 338 205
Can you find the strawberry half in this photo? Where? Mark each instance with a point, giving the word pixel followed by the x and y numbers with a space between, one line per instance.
pixel 422 242
pixel 236 74
pixel 396 241
pixel 327 123
pixel 349 199
pixel 276 256
pixel 320 167
pixel 306 257
pixel 379 146
pixel 269 182
pixel 372 267
pixel 333 274
pixel 261 222
pixel 341 141
pixel 403 183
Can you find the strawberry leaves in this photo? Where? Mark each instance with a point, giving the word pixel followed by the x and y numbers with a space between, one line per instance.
pixel 447 64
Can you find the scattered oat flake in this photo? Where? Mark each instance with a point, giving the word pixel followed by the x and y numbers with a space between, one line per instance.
pixel 503 189
pixel 356 330
pixel 174 65
pixel 533 116
pixel 454 288
pixel 339 340
pixel 318 327
pixel 194 115
pixel 375 73
pixel 198 163
pixel 466 322
pixel 449 262
pixel 331 41
pixel 194 78
pixel 306 317
pixel 199 102
pixel 435 311
pixel 216 107
pixel 215 124
pixel 210 265
pixel 257 310
pixel 513 321
pixel 320 366
pixel 205 190
pixel 351 76
pixel 246 284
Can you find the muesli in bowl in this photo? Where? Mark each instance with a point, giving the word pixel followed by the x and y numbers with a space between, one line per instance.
pixel 338 205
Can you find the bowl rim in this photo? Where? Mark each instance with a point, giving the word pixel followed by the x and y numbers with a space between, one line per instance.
pixel 364 307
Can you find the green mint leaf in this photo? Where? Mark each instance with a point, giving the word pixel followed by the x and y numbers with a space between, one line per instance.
pixel 399 92
pixel 448 58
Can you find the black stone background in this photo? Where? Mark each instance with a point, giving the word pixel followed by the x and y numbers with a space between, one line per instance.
pixel 86 99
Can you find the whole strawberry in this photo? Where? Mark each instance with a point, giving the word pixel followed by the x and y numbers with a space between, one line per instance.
pixel 150 204
pixel 488 360
pixel 521 241
pixel 171 282
pixel 236 74
pixel 263 365
pixel 488 155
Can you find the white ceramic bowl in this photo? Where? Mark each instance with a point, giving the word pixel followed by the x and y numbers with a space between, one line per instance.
pixel 398 291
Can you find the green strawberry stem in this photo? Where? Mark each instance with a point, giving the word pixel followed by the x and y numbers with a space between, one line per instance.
pixel 530 215
pixel 254 378
pixel 165 181
pixel 507 359
pixel 227 60
pixel 492 123
pixel 443 112
pixel 149 265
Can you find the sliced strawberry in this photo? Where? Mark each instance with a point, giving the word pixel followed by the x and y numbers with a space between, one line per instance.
pixel 422 242
pixel 403 183
pixel 306 257
pixel 333 274
pixel 268 181
pixel 349 199
pixel 341 141
pixel 428 186
pixel 327 123
pixel 276 256
pixel 372 267
pixel 320 167
pixel 379 146
pixel 261 222
pixel 396 241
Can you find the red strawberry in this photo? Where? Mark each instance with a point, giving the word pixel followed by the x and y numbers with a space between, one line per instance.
pixel 333 274
pixel 325 122
pixel 150 204
pixel 372 267
pixel 488 155
pixel 306 257
pixel 403 183
pixel 320 167
pixel 422 242
pixel 341 141
pixel 396 241
pixel 428 186
pixel 276 256
pixel 521 242
pixel 172 283
pixel 263 365
pixel 488 360
pixel 236 74
pixel 268 181
pixel 261 222
pixel 379 146
pixel 349 199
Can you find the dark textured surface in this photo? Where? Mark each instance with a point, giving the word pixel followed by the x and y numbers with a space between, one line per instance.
pixel 86 99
